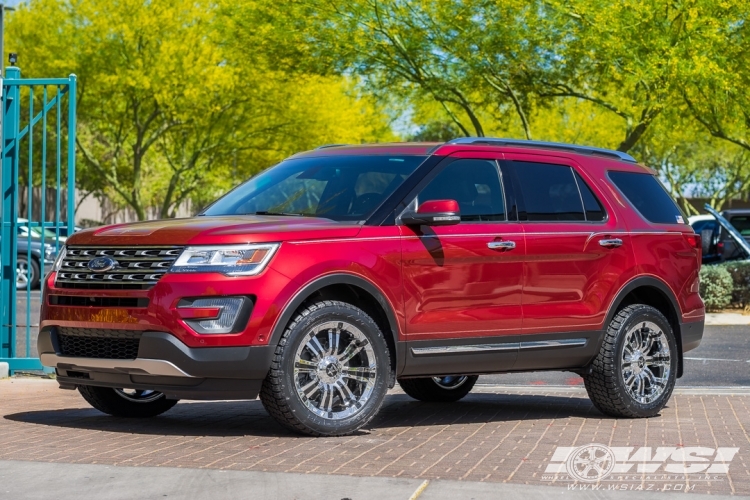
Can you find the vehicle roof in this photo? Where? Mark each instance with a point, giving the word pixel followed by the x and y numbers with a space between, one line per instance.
pixel 736 211
pixel 613 158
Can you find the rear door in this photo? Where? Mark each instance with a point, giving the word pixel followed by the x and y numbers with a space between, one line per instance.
pixel 462 283
pixel 577 253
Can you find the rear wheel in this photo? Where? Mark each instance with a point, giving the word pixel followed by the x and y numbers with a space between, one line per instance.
pixel 439 389
pixel 635 371
pixel 330 372
pixel 130 403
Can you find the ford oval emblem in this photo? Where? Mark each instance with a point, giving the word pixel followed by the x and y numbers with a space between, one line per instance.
pixel 102 264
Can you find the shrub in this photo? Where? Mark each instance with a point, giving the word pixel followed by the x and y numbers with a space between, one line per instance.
pixel 740 273
pixel 716 287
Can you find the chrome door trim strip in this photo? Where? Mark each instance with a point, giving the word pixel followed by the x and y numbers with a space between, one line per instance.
pixel 548 344
pixel 501 347
pixel 464 349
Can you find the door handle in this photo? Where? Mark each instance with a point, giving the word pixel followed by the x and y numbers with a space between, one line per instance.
pixel 611 243
pixel 501 245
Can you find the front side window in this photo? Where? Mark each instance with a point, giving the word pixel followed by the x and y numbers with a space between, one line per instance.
pixel 342 188
pixel 648 196
pixel 474 184
pixel 550 192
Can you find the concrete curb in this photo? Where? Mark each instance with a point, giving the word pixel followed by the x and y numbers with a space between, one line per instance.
pixel 43 480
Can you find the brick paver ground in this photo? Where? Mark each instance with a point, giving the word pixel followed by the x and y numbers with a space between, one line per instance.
pixel 493 435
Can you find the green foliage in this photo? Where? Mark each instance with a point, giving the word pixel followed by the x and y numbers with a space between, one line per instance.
pixel 170 107
pixel 740 274
pixel 716 287
pixel 182 100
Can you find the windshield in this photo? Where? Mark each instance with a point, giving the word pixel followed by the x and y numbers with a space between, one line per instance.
pixel 342 188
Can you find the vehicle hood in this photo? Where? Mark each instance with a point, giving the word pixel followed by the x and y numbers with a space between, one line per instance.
pixel 733 233
pixel 215 230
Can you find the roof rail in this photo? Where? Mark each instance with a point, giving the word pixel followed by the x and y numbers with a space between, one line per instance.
pixel 324 146
pixel 586 150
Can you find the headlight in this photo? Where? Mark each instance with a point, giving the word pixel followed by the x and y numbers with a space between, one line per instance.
pixel 232 260
pixel 49 252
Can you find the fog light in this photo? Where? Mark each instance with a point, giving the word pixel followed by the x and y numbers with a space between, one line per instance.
pixel 215 314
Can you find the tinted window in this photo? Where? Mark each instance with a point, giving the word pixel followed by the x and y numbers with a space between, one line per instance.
pixel 336 187
pixel 549 192
pixel 594 210
pixel 474 184
pixel 648 196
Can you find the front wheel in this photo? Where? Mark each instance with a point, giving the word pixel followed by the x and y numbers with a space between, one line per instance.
pixel 444 389
pixel 330 371
pixel 635 371
pixel 130 403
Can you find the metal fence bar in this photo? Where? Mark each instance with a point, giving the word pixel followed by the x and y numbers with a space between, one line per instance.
pixel 71 153
pixel 29 216
pixel 13 136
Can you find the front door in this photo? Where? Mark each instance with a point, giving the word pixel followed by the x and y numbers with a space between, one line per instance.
pixel 462 283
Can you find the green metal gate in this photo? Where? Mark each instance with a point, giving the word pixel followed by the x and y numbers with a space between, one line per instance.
pixel 38 131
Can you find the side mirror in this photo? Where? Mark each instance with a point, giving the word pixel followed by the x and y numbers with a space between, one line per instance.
pixel 434 213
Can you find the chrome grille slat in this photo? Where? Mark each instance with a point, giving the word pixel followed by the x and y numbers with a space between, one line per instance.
pixel 139 268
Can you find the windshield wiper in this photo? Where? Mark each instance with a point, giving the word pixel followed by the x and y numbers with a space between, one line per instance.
pixel 287 214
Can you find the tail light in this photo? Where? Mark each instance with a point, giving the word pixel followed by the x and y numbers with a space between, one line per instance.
pixel 694 240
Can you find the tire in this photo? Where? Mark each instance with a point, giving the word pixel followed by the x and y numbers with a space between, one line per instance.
pixel 318 390
pixel 439 389
pixel 27 270
pixel 631 376
pixel 126 402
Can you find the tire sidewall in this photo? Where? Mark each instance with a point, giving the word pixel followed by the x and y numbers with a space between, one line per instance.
pixel 33 271
pixel 641 314
pixel 299 334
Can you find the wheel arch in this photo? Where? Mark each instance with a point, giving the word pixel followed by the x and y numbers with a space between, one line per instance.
pixel 354 290
pixel 653 292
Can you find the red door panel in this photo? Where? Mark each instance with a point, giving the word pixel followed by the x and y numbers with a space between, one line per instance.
pixel 455 285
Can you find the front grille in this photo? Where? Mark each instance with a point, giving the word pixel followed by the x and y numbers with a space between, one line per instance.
pixel 75 300
pixel 136 268
pixel 98 343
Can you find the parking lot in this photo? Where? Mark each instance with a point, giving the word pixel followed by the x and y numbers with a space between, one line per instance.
pixel 506 432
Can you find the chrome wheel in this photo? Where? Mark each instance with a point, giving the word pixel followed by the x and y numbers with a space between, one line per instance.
pixel 138 395
pixel 22 273
pixel 645 362
pixel 451 381
pixel 335 370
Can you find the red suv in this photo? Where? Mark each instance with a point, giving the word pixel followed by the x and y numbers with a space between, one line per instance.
pixel 326 279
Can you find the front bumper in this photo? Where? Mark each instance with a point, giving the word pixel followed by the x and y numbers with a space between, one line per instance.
pixel 167 365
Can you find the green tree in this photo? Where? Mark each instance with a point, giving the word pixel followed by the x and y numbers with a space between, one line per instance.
pixel 168 104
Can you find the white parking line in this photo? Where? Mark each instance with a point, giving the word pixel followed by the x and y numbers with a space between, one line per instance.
pixel 419 490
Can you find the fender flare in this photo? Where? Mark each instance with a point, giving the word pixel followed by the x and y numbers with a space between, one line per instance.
pixel 335 279
pixel 653 282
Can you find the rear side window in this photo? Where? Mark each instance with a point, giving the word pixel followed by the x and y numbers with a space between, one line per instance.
pixel 550 192
pixel 648 196
pixel 594 210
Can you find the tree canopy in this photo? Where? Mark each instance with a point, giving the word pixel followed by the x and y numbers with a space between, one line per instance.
pixel 182 100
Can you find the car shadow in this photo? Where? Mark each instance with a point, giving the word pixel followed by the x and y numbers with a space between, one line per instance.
pixel 249 418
